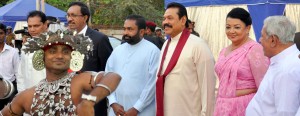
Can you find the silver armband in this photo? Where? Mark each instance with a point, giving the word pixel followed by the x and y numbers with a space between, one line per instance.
pixel 89 97
pixel 95 77
pixel 104 86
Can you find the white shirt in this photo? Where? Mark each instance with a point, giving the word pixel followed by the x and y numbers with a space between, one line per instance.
pixel 189 88
pixel 9 61
pixel 279 91
pixel 137 65
pixel 27 76
pixel 298 112
pixel 83 31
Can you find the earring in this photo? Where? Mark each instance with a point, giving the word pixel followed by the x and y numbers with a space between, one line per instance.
pixel 76 61
pixel 37 60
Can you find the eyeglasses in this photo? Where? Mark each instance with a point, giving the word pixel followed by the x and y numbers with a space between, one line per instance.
pixel 1 33
pixel 72 15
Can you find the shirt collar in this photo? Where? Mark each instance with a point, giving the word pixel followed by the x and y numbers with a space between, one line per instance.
pixel 83 31
pixel 177 37
pixel 6 47
pixel 283 54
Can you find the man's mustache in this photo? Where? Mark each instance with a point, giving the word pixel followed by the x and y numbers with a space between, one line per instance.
pixel 168 25
pixel 70 22
pixel 126 36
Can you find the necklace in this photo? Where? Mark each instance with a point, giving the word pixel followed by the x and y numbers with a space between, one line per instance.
pixel 53 98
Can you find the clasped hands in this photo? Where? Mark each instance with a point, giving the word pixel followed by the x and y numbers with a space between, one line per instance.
pixel 119 110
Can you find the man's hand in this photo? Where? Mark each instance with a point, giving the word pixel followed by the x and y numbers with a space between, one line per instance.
pixel 118 109
pixel 131 112
pixel 85 108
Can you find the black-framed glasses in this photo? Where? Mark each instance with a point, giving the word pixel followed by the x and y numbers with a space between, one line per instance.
pixel 72 15
pixel 1 33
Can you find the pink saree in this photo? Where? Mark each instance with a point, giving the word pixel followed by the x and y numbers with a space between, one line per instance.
pixel 243 68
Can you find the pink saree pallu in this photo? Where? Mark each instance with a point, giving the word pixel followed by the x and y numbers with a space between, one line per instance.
pixel 243 68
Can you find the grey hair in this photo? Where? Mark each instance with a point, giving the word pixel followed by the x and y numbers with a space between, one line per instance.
pixel 280 26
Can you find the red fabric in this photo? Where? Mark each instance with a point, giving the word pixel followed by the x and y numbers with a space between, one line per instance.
pixel 69 70
pixel 149 23
pixel 161 78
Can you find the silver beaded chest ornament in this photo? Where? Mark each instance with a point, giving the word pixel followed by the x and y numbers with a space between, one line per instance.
pixel 54 98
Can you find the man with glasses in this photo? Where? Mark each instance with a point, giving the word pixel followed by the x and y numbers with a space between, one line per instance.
pixel 9 60
pixel 78 15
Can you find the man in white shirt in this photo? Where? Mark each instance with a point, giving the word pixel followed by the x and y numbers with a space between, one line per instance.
pixel 278 94
pixel 9 61
pixel 27 76
pixel 136 61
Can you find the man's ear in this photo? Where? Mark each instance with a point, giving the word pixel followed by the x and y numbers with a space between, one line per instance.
pixel 142 32
pixel 45 26
pixel 85 18
pixel 274 41
pixel 183 20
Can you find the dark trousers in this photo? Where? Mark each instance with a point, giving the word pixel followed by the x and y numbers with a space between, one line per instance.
pixel 101 108
pixel 4 102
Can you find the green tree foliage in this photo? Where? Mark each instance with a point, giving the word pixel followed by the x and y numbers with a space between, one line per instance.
pixel 60 4
pixel 4 2
pixel 113 12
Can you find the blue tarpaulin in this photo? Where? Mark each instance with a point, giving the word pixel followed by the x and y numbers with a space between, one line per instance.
pixel 258 9
pixel 19 9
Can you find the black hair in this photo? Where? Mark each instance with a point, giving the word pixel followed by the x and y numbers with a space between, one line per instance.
pixel 189 21
pixel 83 9
pixel 152 28
pixel 3 27
pixel 140 21
pixel 38 14
pixel 297 40
pixel 242 14
pixel 181 11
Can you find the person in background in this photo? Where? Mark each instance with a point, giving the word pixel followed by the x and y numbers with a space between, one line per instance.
pixel 278 94
pixel 191 28
pixel 297 40
pixel 241 66
pixel 10 36
pixel 27 76
pixel 159 33
pixel 186 81
pixel 78 15
pixel 9 61
pixel 19 43
pixel 151 36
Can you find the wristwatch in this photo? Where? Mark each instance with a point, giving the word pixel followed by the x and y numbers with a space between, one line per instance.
pixel 89 97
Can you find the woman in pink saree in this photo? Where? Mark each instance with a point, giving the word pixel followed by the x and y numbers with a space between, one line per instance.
pixel 240 67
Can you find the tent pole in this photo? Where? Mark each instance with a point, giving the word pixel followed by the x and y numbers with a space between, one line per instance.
pixel 43 6
pixel 37 5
